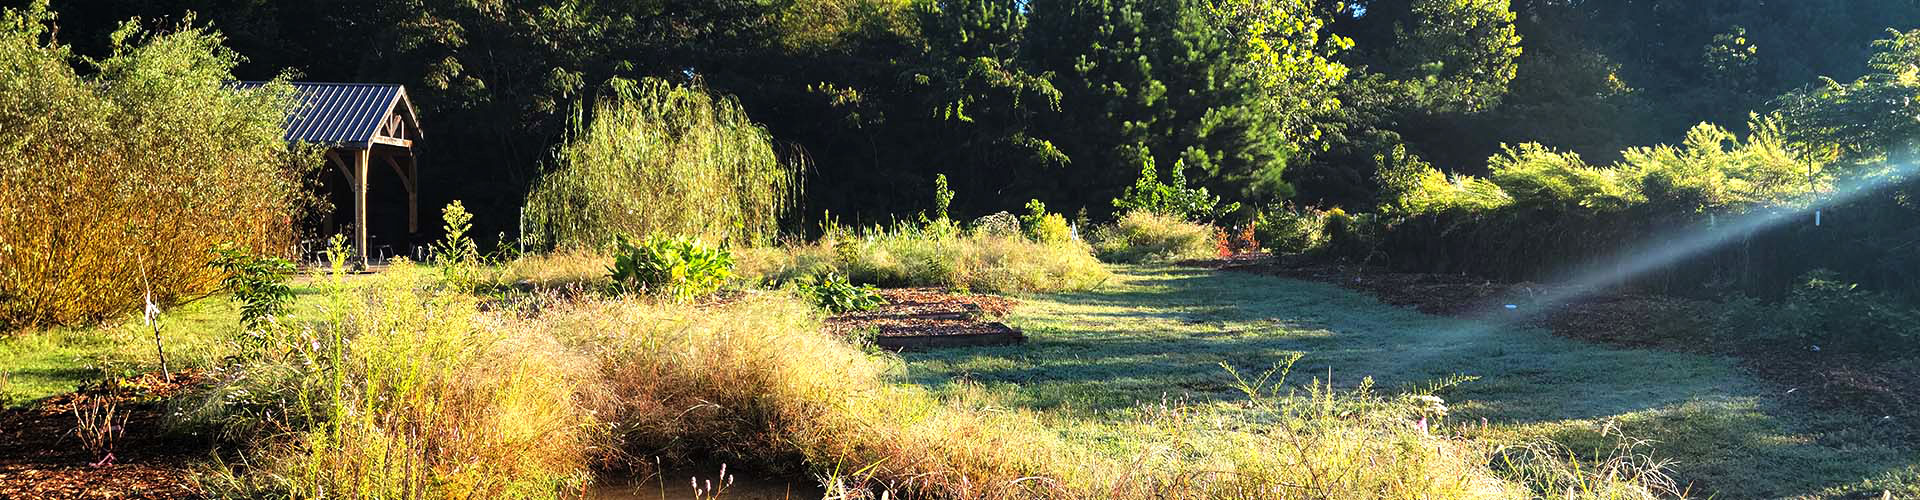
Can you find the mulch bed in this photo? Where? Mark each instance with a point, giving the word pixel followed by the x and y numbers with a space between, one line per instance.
pixel 930 317
pixel 41 457
pixel 1820 380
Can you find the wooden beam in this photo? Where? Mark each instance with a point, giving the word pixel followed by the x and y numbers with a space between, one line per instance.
pixel 345 169
pixel 360 207
pixel 378 139
pixel 413 192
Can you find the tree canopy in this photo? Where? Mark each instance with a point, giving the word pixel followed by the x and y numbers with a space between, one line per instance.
pixel 1262 102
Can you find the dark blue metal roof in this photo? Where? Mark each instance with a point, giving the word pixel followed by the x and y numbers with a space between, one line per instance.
pixel 340 114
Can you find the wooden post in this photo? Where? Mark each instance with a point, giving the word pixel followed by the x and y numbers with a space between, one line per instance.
pixel 408 180
pixel 360 206
pixel 413 195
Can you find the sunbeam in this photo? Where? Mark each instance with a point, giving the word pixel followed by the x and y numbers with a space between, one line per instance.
pixel 1658 253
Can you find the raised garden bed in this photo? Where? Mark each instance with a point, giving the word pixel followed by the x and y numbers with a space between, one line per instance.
pixel 928 318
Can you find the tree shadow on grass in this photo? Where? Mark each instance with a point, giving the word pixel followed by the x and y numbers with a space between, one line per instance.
pixel 1160 333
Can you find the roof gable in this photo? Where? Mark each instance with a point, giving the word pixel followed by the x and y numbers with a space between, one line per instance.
pixel 344 114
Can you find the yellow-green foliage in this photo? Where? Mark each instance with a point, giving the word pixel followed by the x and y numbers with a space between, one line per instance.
pixel 908 256
pixel 1293 230
pixel 1714 168
pixel 404 390
pixel 128 177
pixel 1436 192
pixel 1534 174
pixel 1142 236
pixel 1711 169
pixel 661 158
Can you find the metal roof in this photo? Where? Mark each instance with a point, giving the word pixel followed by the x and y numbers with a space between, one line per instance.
pixel 341 114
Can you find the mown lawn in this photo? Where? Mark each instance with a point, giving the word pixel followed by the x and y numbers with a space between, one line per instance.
pixel 38 363
pixel 1158 334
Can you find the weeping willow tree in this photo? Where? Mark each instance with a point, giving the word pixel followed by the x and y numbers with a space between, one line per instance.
pixel 658 158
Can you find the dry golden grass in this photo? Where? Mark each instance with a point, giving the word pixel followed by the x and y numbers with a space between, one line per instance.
pixel 906 256
pixel 563 269
pixel 402 389
pixel 1141 236
pixel 415 392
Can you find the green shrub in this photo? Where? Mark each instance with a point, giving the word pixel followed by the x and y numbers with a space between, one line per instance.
pixel 679 267
pixel 258 283
pixel 835 294
pixel 1051 229
pixel 1355 236
pixel 654 157
pixel 1826 311
pixel 1044 227
pixel 1290 230
pixel 118 178
pixel 1144 236
pixel 1412 186
pixel 1148 194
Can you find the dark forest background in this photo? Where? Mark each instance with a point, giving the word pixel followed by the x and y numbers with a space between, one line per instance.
pixel 1065 101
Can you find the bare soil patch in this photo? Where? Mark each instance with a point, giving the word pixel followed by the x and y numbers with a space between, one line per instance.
pixel 42 457
pixel 918 318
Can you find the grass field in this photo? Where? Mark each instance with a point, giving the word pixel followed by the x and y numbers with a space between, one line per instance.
pixel 1105 369
pixel 1156 334
pixel 37 364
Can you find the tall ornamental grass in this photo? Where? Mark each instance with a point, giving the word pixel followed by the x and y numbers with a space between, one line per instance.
pixel 401 388
pixel 123 180
pixel 934 256
pixel 659 158
pixel 1143 236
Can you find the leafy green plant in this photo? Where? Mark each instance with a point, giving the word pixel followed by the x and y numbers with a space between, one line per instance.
pixel 1044 227
pixel 835 294
pixel 337 254
pixel 456 253
pixel 1826 310
pixel 258 283
pixel 942 197
pixel 456 247
pixel 679 267
pixel 1171 199
pixel 1291 230
pixel 941 225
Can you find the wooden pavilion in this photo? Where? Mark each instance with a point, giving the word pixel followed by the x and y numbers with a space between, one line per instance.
pixel 361 124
